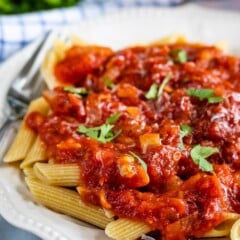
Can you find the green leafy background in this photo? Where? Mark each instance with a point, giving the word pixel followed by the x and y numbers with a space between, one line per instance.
pixel 23 6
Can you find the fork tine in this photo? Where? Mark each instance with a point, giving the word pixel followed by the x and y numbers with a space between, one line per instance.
pixel 36 85
pixel 25 70
pixel 32 89
pixel 24 88
pixel 7 132
pixel 26 77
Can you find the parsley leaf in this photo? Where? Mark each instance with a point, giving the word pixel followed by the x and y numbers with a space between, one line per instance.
pixel 164 83
pixel 102 133
pixel 180 55
pixel 90 132
pixel 152 92
pixel 113 118
pixel 143 164
pixel 185 130
pixel 215 99
pixel 79 91
pixel 200 153
pixel 204 94
pixel 108 83
pixel 155 91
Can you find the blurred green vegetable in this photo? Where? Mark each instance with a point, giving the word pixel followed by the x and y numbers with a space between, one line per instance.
pixel 22 6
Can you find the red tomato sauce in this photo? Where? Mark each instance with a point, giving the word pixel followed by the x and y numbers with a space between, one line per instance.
pixel 173 194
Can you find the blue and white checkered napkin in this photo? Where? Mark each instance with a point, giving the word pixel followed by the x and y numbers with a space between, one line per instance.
pixel 18 30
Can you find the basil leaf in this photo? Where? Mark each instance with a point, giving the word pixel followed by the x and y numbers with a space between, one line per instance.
pixel 200 153
pixel 108 83
pixel 164 83
pixel 143 164
pixel 184 131
pixel 204 94
pixel 79 91
pixel 152 92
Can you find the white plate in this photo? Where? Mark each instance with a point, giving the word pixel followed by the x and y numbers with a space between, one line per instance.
pixel 117 30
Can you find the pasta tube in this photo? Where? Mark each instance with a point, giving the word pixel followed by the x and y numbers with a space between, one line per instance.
pixel 36 153
pixel 126 229
pixel 224 228
pixel 68 202
pixel 28 172
pixel 67 175
pixel 25 136
pixel 235 230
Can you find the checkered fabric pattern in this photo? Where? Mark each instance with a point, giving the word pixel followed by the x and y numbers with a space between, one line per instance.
pixel 16 31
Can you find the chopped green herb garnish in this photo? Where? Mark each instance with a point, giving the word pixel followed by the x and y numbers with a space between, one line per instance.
pixel 204 94
pixel 215 99
pixel 90 132
pixel 163 84
pixel 199 155
pixel 180 55
pixel 143 164
pixel 113 118
pixel 152 92
pixel 185 130
pixel 79 91
pixel 108 83
pixel 155 91
pixel 101 133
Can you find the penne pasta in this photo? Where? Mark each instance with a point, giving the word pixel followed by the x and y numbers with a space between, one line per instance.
pixel 25 136
pixel 215 238
pixel 107 138
pixel 59 49
pixel 171 39
pixel 126 229
pixel 224 228
pixel 235 230
pixel 46 69
pixel 29 172
pixel 68 202
pixel 54 56
pixel 37 153
pixel 75 40
pixel 67 175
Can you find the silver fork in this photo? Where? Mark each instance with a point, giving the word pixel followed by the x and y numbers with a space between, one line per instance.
pixel 27 85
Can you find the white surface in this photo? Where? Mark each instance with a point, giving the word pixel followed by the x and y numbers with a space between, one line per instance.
pixel 118 30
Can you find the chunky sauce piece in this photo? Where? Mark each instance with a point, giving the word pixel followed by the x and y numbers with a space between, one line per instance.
pixel 149 167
